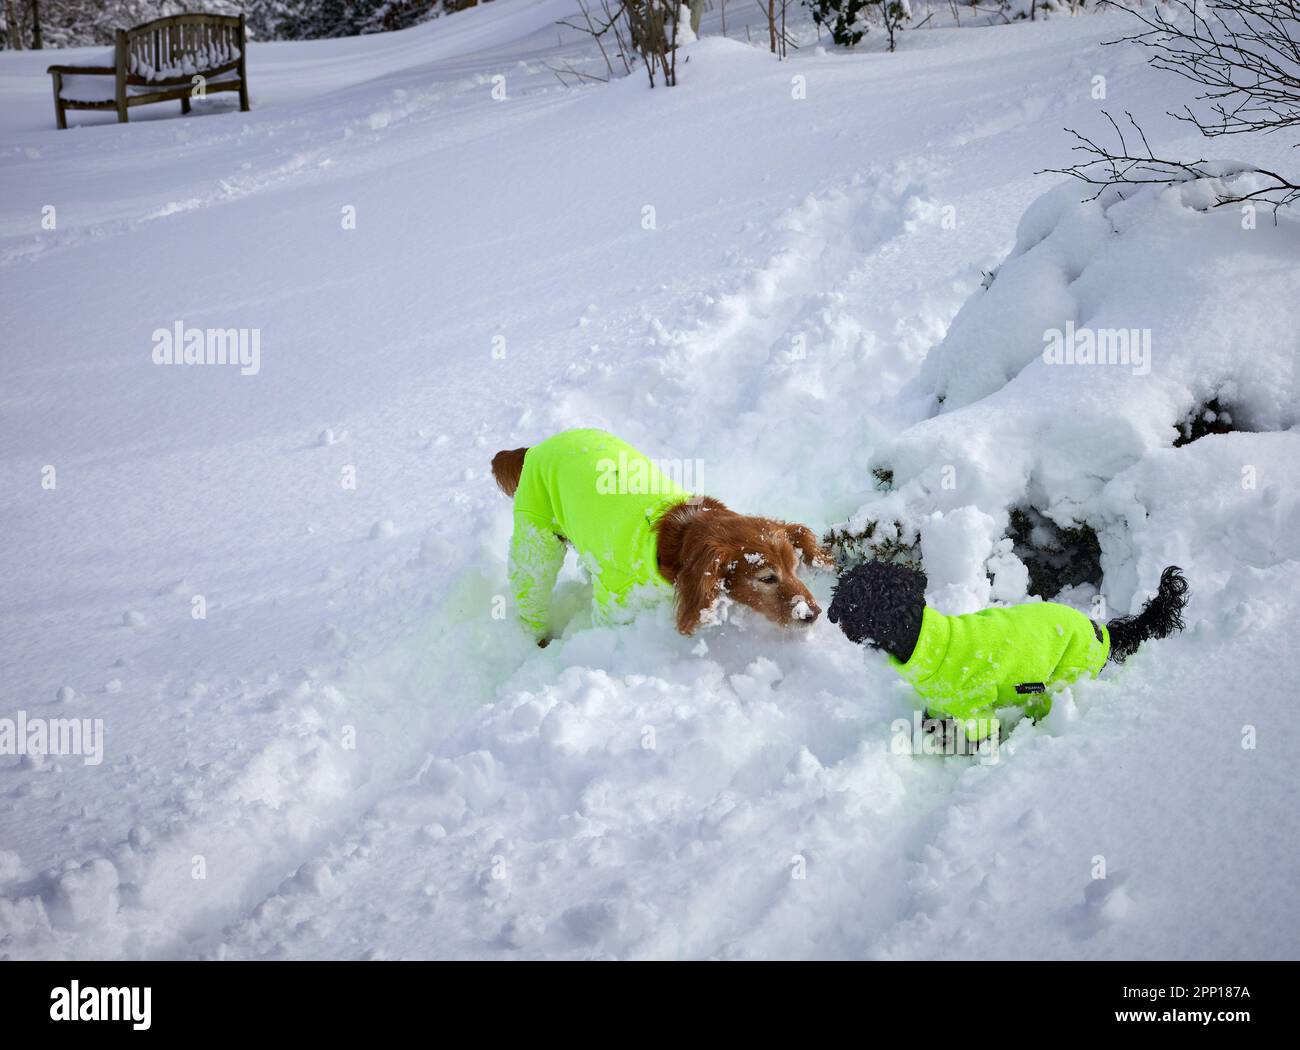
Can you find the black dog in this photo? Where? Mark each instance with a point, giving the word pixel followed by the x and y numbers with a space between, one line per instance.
pixel 968 666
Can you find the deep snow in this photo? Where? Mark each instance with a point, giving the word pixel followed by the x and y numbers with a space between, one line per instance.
pixel 625 792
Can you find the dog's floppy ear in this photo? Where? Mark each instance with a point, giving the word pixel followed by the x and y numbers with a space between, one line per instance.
pixel 812 553
pixel 699 582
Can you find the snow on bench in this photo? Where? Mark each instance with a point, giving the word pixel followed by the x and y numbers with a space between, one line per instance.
pixel 168 59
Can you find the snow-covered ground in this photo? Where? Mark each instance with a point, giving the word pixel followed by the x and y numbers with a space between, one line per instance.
pixel 276 590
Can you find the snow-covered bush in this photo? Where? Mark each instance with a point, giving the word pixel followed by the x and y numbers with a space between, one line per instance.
pixel 848 21
pixel 844 19
pixel 1116 332
pixel 1054 558
pixel 1031 10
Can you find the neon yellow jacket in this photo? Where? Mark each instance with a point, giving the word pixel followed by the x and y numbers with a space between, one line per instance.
pixel 600 494
pixel 966 667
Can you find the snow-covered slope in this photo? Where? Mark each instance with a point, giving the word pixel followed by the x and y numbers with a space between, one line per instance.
pixel 348 747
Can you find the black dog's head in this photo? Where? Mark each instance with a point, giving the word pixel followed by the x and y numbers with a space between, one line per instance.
pixel 881 604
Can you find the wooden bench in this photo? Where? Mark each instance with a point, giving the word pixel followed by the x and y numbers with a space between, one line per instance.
pixel 158 62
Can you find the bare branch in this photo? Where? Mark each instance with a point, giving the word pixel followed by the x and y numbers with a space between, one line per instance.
pixel 1123 167
pixel 1245 55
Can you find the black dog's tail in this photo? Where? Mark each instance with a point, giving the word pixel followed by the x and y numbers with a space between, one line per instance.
pixel 1159 618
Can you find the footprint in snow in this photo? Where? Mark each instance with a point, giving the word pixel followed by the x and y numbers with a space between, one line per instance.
pixel 1106 902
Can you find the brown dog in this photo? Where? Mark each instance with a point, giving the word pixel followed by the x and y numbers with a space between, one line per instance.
pixel 698 546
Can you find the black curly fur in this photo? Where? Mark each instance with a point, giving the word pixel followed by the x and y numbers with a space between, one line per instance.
pixel 880 603
pixel 1159 618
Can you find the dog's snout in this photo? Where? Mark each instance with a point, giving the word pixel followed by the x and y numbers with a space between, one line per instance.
pixel 805 610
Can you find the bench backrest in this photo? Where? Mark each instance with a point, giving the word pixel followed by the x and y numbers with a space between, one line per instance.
pixel 172 49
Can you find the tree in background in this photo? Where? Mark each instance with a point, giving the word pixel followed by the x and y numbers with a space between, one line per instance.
pixel 645 30
pixel 321 19
pixel 79 23
pixel 20 24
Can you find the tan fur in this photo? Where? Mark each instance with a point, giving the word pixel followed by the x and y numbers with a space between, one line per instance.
pixel 706 549
pixel 506 468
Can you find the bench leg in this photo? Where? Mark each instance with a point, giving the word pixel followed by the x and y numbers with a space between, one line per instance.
pixel 120 67
pixel 60 114
pixel 185 104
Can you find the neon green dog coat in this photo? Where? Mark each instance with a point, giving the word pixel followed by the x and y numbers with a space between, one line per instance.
pixel 966 667
pixel 602 495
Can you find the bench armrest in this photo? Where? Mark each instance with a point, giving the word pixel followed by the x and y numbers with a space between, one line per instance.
pixel 79 70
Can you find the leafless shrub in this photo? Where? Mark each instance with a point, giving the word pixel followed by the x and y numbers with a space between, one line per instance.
pixel 1246 55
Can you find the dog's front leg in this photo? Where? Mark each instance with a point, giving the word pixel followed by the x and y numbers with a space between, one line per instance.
pixel 536 556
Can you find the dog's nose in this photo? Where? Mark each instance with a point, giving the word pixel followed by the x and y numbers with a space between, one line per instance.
pixel 806 610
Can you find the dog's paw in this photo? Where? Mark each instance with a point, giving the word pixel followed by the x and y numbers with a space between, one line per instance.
pixel 811 553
